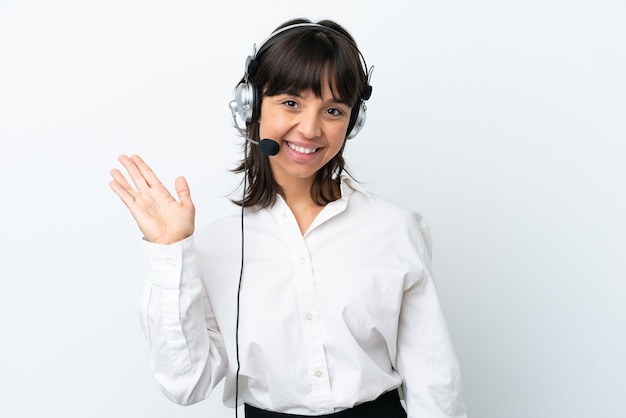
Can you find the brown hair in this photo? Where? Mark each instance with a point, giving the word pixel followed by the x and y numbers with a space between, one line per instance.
pixel 298 62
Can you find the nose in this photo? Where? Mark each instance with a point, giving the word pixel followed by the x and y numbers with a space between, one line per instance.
pixel 309 124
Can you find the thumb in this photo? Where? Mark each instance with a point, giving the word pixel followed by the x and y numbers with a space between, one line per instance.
pixel 182 190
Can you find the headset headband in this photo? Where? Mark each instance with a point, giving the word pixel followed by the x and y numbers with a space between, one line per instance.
pixel 252 63
pixel 246 102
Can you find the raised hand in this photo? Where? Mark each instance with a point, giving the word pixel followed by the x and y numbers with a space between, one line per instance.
pixel 161 218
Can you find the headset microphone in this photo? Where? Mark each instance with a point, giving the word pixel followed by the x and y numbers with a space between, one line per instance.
pixel 266 146
pixel 269 146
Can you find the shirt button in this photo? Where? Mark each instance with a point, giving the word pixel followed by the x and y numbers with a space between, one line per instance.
pixel 308 316
pixel 302 260
pixel 319 374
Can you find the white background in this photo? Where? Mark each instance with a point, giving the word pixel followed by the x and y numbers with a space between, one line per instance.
pixel 501 122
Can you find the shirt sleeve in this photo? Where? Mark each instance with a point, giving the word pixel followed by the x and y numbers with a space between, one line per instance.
pixel 185 349
pixel 426 359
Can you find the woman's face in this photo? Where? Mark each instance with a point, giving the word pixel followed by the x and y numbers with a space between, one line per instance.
pixel 310 131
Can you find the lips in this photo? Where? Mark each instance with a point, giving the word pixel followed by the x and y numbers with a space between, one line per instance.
pixel 300 149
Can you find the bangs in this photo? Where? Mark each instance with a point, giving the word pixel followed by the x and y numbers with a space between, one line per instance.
pixel 305 61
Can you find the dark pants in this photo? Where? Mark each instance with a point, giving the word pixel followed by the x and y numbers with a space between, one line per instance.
pixel 385 406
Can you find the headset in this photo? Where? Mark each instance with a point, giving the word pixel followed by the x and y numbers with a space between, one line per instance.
pixel 246 102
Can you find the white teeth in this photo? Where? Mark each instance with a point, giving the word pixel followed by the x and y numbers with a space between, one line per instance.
pixel 301 150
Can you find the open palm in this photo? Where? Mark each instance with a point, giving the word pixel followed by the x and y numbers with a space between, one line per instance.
pixel 161 218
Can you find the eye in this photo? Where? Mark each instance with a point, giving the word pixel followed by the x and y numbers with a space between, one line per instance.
pixel 335 111
pixel 290 103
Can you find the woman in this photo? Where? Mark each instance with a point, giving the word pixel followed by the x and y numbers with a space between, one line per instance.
pixel 317 298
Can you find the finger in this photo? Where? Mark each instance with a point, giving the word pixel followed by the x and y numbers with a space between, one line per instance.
pixel 183 192
pixel 122 193
pixel 134 172
pixel 119 178
pixel 147 173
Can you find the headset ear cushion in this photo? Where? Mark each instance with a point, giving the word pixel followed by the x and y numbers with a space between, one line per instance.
pixel 357 120
pixel 243 102
pixel 256 104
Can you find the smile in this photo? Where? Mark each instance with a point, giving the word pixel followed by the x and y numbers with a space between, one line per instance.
pixel 301 150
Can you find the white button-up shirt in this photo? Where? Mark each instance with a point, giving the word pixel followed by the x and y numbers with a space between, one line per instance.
pixel 327 319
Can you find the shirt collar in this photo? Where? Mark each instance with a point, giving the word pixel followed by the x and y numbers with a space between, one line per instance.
pixel 349 185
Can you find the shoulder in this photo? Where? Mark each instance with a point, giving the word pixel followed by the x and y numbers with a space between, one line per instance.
pixel 387 216
pixel 223 229
pixel 227 229
pixel 363 200
pixel 224 222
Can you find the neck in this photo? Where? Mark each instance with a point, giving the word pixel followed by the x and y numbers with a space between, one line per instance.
pixel 297 195
pixel 298 192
